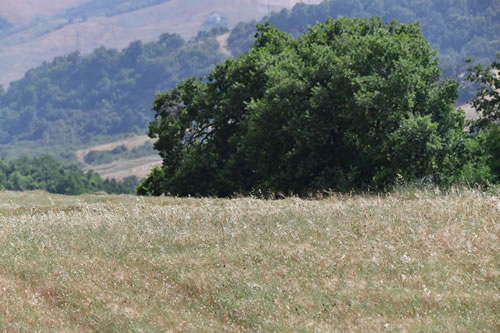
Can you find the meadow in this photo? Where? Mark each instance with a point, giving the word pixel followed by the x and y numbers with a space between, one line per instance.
pixel 412 260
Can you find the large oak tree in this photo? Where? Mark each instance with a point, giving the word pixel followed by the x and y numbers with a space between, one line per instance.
pixel 351 104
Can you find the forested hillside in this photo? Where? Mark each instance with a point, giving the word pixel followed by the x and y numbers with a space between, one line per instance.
pixel 456 28
pixel 74 99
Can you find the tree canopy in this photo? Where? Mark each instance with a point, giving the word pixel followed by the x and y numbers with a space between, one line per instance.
pixel 487 103
pixel 350 104
pixel 457 28
pixel 487 99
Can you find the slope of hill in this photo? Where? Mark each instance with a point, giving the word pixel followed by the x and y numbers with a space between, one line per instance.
pixel 24 11
pixel 73 29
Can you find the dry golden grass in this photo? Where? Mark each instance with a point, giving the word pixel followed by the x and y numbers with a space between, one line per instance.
pixel 415 260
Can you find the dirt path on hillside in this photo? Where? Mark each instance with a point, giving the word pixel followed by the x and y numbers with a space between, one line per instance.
pixel 222 39
pixel 470 112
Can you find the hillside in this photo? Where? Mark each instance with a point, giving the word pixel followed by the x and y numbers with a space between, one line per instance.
pixel 23 12
pixel 414 261
pixel 63 26
pixel 76 101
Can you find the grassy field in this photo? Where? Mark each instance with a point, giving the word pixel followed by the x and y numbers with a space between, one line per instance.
pixel 415 260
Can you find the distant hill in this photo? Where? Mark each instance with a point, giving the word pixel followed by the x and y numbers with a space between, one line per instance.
pixel 76 101
pixel 43 30
pixel 22 12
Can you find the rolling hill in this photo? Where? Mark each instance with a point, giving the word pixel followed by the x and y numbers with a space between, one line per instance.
pixel 43 29
pixel 23 12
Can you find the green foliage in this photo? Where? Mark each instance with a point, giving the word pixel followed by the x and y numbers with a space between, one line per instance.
pixel 351 104
pixel 492 147
pixel 487 99
pixel 74 99
pixel 486 129
pixel 45 173
pixel 154 184
pixel 458 28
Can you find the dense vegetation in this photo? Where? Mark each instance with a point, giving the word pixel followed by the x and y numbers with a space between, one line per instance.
pixel 45 173
pixel 75 99
pixel 351 104
pixel 457 28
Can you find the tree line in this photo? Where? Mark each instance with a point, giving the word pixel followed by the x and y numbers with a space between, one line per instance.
pixel 46 173
pixel 299 111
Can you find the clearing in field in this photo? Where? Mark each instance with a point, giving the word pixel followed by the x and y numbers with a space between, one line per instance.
pixel 408 261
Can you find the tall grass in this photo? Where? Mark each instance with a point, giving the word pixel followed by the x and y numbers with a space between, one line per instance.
pixel 415 260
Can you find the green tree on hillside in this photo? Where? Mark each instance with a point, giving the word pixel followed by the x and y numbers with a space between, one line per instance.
pixel 487 104
pixel 353 103
pixel 487 100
